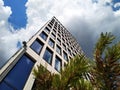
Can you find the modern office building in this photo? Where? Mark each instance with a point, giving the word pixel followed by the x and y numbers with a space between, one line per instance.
pixel 52 46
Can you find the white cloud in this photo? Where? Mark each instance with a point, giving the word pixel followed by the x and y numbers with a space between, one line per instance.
pixel 117 5
pixel 117 13
pixel 84 19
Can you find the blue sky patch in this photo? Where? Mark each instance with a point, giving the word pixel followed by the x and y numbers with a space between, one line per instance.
pixel 114 2
pixel 19 45
pixel 18 18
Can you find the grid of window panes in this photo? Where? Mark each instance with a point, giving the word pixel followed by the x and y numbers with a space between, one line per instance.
pixel 58 41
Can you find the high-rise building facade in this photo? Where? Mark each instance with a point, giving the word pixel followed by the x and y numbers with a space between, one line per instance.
pixel 52 46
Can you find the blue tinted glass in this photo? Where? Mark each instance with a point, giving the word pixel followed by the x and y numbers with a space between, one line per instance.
pixel 53 36
pixel 43 35
pixel 58 49
pixel 51 43
pixel 69 51
pixel 65 56
pixel 58 64
pixel 18 75
pixel 47 30
pixel 58 41
pixel 37 46
pixel 48 56
pixel 4 86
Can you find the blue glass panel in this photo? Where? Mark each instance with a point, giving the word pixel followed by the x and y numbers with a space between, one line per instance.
pixel 51 43
pixel 37 46
pixel 53 36
pixel 43 35
pixel 4 86
pixel 48 56
pixel 47 30
pixel 58 41
pixel 19 74
pixel 58 64
pixel 65 56
pixel 58 49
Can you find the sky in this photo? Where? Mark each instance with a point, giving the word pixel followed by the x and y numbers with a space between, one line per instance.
pixel 85 19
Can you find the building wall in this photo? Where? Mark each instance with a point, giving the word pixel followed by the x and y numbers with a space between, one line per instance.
pixel 37 45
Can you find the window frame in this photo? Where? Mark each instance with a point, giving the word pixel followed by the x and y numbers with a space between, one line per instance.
pixel 10 79
pixel 58 49
pixel 56 63
pixel 43 35
pixel 53 42
pixel 41 46
pixel 51 57
pixel 47 30
pixel 64 53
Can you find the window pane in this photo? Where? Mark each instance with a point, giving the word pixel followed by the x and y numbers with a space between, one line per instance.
pixel 48 56
pixel 65 56
pixel 58 64
pixel 54 31
pixel 53 36
pixel 58 41
pixel 18 76
pixel 69 51
pixel 47 30
pixel 37 46
pixel 58 49
pixel 43 35
pixel 64 47
pixel 51 43
pixel 4 86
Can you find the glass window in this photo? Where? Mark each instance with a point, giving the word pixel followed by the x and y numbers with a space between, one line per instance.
pixel 73 54
pixel 63 40
pixel 49 25
pixel 56 24
pixel 59 26
pixel 69 51
pixel 37 46
pixel 58 41
pixel 54 31
pixel 59 36
pixel 58 64
pixel 51 43
pixel 4 86
pixel 52 20
pixel 64 47
pixel 65 56
pixel 61 29
pixel 55 27
pixel 17 77
pixel 58 31
pixel 47 30
pixel 67 44
pixel 58 49
pixel 43 35
pixel 71 48
pixel 48 55
pixel 53 36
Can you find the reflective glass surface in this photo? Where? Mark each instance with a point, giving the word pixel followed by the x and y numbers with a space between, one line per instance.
pixel 17 77
pixel 48 56
pixel 37 46
pixel 57 64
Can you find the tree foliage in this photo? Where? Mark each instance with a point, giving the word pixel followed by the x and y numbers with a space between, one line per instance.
pixel 107 58
pixel 72 77
pixel 101 73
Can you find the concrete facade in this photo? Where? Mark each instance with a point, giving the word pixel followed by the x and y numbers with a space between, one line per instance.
pixel 53 39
